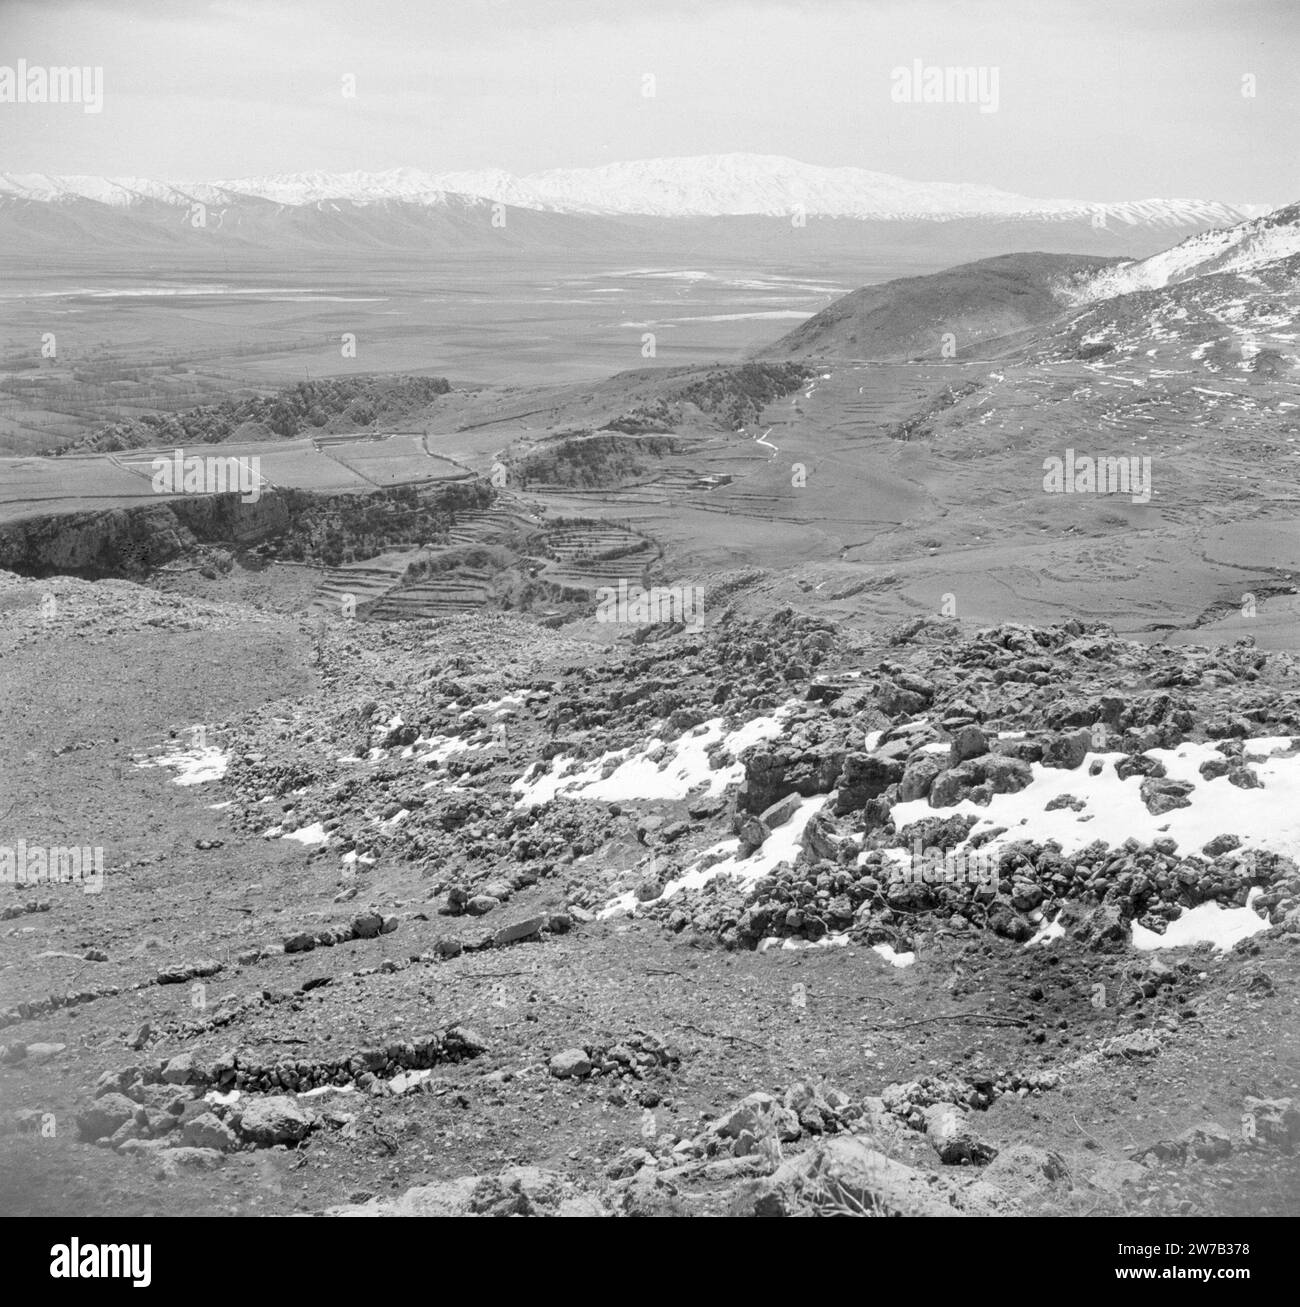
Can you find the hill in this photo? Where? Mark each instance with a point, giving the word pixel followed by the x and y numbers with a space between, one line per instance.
pixel 981 302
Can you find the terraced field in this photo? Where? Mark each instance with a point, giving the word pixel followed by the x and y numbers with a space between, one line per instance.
pixel 466 591
pixel 492 525
pixel 382 593
pixel 366 583
pixel 595 554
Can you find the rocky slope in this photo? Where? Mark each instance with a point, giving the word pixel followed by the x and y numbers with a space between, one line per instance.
pixel 777 917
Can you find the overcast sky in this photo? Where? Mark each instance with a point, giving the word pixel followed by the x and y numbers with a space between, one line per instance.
pixel 1097 99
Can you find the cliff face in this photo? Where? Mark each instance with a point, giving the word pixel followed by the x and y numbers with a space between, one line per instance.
pixel 128 541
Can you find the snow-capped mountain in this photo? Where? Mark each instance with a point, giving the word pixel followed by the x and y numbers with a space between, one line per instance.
pixel 1225 301
pixel 701 186
pixel 1243 248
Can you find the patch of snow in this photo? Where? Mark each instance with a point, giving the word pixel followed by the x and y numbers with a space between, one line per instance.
pixel 1047 931
pixel 1206 923
pixel 894 959
pixel 796 945
pixel 782 845
pixel 656 770
pixel 313 834
pixel 193 766
pixel 1266 819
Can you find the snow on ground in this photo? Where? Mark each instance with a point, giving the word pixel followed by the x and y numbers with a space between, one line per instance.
pixel 193 766
pixel 655 770
pixel 794 945
pixel 1205 923
pixel 313 834
pixel 894 959
pixel 782 845
pixel 435 749
pixel 1047 930
pixel 840 940
pixel 1264 819
pixel 506 706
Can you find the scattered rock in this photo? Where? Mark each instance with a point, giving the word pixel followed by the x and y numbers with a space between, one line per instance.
pixel 572 1064
pixel 951 1136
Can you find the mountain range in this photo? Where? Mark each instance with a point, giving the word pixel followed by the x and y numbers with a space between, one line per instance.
pixel 699 186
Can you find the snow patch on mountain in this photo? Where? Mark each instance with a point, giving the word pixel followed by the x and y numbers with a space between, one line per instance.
pixel 1241 248
pixel 700 186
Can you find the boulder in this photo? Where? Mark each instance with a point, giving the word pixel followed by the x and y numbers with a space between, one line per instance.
pixel 866 776
pixel 1139 764
pixel 977 779
pixel 780 812
pixel 572 1064
pixel 524 928
pixel 208 1131
pixel 950 1134
pixel 273 1120
pixel 968 742
pixel 1068 750
pixel 1162 796
pixel 761 1116
pixel 1220 845
pixel 1106 930
pixel 918 776
pixel 368 925
pixel 181 1070
pixel 108 1113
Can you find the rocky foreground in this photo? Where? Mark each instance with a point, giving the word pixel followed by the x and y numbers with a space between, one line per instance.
pixel 776 918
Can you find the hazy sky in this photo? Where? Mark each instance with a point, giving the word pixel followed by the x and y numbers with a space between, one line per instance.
pixel 1097 99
